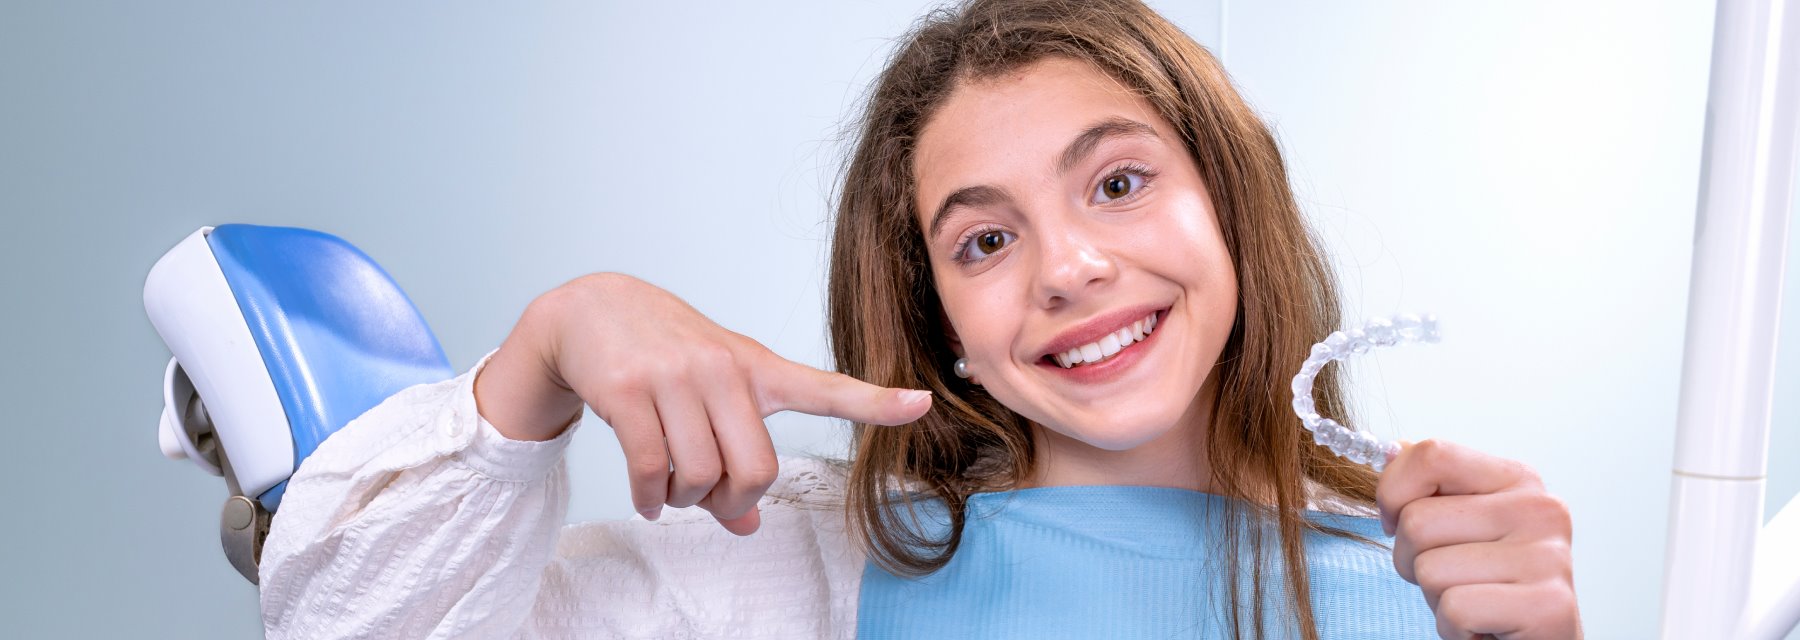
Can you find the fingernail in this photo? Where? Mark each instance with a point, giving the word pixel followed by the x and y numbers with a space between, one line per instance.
pixel 913 396
pixel 651 514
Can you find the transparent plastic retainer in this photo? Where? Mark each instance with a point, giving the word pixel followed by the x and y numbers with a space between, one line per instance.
pixel 1360 447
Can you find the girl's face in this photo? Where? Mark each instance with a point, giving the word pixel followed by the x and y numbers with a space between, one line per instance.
pixel 1061 210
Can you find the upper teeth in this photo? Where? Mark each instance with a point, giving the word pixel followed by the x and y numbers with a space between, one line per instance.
pixel 1109 344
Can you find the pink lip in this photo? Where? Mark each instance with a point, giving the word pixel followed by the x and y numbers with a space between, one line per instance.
pixel 1113 367
pixel 1098 327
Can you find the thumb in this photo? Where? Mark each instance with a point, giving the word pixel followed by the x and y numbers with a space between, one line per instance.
pixel 1389 518
pixel 743 525
pixel 1404 445
pixel 791 386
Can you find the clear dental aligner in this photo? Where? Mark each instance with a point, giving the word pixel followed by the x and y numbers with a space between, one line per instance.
pixel 1356 446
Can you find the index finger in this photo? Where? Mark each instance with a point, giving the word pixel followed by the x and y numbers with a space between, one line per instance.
pixel 784 385
pixel 1436 468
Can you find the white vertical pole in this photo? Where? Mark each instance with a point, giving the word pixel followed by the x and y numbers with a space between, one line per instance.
pixel 1734 303
pixel 1774 606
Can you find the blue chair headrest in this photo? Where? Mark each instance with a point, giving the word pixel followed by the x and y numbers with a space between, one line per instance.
pixel 337 335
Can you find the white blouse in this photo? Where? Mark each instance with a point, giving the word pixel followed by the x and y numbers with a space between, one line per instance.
pixel 420 520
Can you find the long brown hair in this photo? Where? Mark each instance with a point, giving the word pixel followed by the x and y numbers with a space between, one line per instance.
pixel 887 325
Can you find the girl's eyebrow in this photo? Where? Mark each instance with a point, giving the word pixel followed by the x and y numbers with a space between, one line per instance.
pixel 1084 144
pixel 964 199
pixel 1078 150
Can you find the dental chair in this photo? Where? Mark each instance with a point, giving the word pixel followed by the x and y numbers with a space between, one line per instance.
pixel 280 337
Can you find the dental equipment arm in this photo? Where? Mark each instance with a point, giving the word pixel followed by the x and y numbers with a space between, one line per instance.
pixel 1727 575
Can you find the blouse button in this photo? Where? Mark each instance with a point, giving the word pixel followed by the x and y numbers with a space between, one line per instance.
pixel 453 428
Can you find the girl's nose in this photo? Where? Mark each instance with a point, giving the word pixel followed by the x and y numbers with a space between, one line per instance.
pixel 1072 263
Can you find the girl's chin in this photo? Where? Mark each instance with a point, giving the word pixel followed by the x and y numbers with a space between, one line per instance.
pixel 1120 423
pixel 1114 436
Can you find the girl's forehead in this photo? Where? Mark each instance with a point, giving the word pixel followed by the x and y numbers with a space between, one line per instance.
pixel 1034 99
pixel 1016 127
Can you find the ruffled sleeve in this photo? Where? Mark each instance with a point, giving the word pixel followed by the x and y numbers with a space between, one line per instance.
pixel 418 519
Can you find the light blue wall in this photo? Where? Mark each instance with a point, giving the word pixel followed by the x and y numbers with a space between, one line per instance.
pixel 1529 171
pixel 1502 165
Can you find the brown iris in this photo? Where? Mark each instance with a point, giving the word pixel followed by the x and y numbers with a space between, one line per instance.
pixel 1116 187
pixel 990 242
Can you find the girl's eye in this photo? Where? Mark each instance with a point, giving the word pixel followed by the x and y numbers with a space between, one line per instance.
pixel 1118 185
pixel 981 244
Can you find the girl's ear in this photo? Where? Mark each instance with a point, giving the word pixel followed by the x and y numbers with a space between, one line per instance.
pixel 955 344
pixel 950 335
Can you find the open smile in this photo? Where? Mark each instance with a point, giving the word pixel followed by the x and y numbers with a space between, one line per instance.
pixel 1107 358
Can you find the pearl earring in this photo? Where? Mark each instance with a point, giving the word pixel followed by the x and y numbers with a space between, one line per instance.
pixel 962 368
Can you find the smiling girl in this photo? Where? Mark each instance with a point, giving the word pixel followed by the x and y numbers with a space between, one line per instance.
pixel 1068 284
